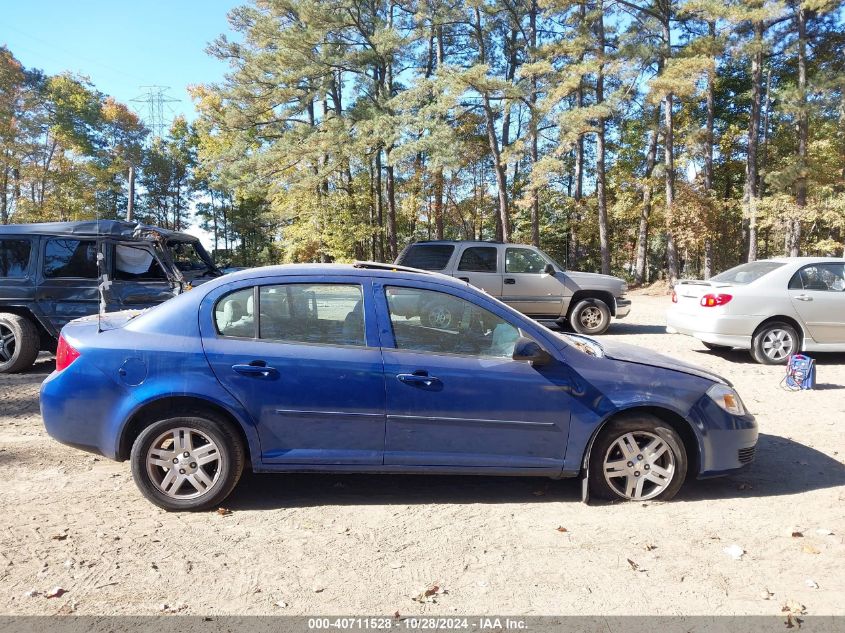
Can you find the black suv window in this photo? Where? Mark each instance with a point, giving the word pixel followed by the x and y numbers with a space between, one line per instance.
pixel 136 264
pixel 70 258
pixel 427 256
pixel 479 259
pixel 14 258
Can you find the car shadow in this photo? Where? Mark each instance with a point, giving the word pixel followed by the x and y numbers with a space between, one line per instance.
pixel 636 328
pixel 743 357
pixel 782 467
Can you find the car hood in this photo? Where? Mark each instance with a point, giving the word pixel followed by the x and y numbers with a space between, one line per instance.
pixel 640 356
pixel 595 279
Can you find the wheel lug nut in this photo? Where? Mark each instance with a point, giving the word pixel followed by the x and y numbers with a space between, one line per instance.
pixel 630 464
pixel 646 466
pixel 175 461
pixel 639 457
pixel 181 471
pixel 193 464
pixel 186 454
pixel 636 473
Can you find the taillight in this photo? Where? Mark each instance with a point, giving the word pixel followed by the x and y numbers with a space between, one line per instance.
pixel 712 301
pixel 65 354
pixel 674 297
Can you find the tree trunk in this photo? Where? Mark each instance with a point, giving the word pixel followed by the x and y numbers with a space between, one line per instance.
pixel 535 150
pixel 600 149
pixel 390 186
pixel 803 127
pixel 669 160
pixel 708 152
pixel 750 190
pixel 648 192
pixel 130 204
pixel 379 208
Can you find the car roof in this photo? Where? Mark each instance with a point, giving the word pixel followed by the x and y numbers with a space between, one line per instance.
pixel 358 269
pixel 805 259
pixel 102 228
pixel 451 242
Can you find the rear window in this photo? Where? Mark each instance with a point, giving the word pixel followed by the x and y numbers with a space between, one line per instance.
pixel 14 258
pixel 70 258
pixel 427 256
pixel 479 259
pixel 746 273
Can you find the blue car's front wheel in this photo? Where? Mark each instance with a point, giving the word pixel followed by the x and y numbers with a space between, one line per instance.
pixel 189 462
pixel 637 458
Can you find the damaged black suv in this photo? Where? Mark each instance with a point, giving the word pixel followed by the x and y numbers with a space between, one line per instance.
pixel 54 272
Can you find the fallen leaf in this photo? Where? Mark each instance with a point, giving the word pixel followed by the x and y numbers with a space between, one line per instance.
pixel 635 566
pixel 792 610
pixel 797 535
pixel 649 547
pixel 55 592
pixel 32 593
pixel 59 537
pixel 810 549
pixel 396 616
pixel 824 532
pixel 562 529
pixel 282 604
pixel 319 589
pixel 224 512
pixel 812 584
pixel 734 551
pixel 766 594
pixel 431 593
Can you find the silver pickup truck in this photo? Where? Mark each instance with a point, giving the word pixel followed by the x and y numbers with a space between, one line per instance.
pixel 525 278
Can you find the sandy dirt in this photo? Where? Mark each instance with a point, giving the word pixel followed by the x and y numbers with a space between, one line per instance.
pixel 310 544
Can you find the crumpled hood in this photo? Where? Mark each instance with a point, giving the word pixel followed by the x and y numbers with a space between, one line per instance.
pixel 633 354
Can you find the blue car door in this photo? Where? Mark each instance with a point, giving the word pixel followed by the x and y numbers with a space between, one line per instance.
pixel 455 396
pixel 303 358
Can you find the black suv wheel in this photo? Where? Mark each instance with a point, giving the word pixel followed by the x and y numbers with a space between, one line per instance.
pixel 19 343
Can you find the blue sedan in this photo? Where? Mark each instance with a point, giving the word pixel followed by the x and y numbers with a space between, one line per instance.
pixel 334 368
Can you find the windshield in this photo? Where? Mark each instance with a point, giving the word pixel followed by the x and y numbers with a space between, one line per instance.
pixel 190 258
pixel 746 273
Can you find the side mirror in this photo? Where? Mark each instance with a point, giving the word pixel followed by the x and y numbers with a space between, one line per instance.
pixel 526 349
pixel 549 269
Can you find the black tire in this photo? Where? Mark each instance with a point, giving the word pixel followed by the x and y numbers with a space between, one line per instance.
pixel 224 474
pixel 645 429
pixel 19 343
pixel 716 348
pixel 767 346
pixel 590 317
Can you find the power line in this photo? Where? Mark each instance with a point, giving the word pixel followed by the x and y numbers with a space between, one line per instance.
pixel 156 100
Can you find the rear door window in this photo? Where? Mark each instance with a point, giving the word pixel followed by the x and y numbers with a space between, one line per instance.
pixel 427 256
pixel 14 258
pixel 479 259
pixel 64 258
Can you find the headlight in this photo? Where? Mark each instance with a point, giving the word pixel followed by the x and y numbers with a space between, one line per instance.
pixel 726 398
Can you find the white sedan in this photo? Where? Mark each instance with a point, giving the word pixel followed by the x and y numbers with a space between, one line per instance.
pixel 774 308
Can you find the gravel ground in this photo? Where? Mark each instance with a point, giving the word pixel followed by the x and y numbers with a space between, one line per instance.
pixel 309 544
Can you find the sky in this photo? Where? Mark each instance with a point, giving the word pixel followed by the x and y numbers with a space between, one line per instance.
pixel 120 45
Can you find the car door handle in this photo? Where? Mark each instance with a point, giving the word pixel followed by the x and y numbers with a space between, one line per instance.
pixel 804 298
pixel 420 380
pixel 255 368
pixel 510 280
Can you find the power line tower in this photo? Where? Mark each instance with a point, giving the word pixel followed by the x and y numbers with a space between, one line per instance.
pixel 156 99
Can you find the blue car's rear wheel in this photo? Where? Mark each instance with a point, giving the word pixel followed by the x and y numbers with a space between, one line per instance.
pixel 637 459
pixel 187 463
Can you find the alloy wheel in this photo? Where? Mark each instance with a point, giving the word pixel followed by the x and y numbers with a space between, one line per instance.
pixel 439 316
pixel 184 463
pixel 639 465
pixel 7 343
pixel 591 317
pixel 778 344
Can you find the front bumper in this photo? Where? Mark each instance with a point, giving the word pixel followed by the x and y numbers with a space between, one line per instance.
pixel 728 441
pixel 720 329
pixel 623 307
